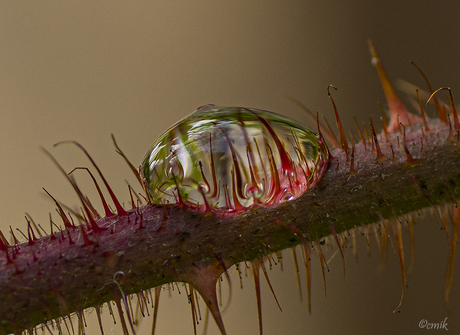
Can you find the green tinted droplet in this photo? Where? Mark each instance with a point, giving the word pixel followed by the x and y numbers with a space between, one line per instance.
pixel 228 159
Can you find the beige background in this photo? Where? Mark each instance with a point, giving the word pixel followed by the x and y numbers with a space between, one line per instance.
pixel 82 70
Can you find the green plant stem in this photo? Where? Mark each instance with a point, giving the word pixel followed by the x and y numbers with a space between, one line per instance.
pixel 155 245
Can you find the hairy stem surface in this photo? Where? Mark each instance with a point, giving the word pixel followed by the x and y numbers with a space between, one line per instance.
pixel 154 245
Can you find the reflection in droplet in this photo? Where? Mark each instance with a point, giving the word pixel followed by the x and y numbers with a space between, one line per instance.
pixel 228 159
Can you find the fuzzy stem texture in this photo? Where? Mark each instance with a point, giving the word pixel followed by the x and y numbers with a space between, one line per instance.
pixel 47 278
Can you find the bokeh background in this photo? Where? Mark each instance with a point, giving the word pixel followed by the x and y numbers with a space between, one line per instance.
pixel 83 70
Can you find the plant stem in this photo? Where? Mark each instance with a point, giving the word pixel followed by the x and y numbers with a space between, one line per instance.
pixel 154 245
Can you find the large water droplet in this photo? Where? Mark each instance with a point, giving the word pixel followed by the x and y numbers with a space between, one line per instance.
pixel 228 159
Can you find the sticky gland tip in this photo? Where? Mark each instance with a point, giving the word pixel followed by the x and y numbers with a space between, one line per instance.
pixel 441 112
pixel 452 105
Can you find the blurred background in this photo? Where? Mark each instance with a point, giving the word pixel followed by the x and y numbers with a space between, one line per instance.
pixel 83 70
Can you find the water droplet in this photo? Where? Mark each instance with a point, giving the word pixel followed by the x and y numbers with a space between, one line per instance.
pixel 228 159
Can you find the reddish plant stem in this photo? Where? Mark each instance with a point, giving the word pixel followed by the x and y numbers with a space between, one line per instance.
pixel 154 245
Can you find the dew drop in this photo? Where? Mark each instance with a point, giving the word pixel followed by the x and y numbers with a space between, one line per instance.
pixel 229 159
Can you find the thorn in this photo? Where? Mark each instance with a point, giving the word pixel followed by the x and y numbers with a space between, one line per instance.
pixel 70 238
pixel 409 159
pixel 367 134
pixel 32 238
pixel 155 310
pixel 34 225
pixel 141 221
pixel 3 242
pixel 133 206
pixel 380 155
pixel 191 301
pixel 379 244
pixel 94 227
pixel 81 321
pixel 195 294
pixel 86 241
pixel 236 177
pixel 323 262
pixel 131 166
pixel 321 137
pixel 261 262
pixel 331 132
pixel 110 312
pixel 67 327
pixel 275 182
pixel 284 158
pixel 224 268
pixel 296 267
pixel 117 299
pixel 360 134
pixel 253 188
pixel 427 129
pixel 98 313
pixel 306 246
pixel 255 270
pixel 93 223
pixel 452 105
pixel 343 140
pixel 204 280
pixel 249 153
pixel 15 240
pixel 441 112
pixel 108 213
pixel 120 210
pixel 8 258
pixel 49 330
pixel 20 231
pixel 321 128
pixel 399 243
pixel 123 298
pixel 394 103
pixel 338 163
pixel 393 157
pixel 239 274
pixel 44 231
